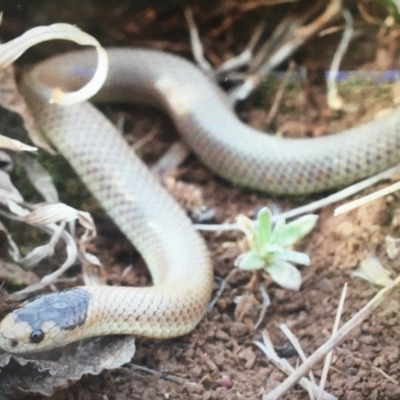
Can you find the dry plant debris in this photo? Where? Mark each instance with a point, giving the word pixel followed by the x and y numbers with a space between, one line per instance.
pixel 31 375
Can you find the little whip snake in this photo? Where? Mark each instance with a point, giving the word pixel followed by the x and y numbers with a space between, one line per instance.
pixel 176 255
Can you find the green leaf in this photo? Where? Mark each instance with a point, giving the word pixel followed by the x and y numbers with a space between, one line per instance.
pixel 277 230
pixel 263 229
pixel 271 249
pixel 287 235
pixel 285 274
pixel 250 261
pixel 293 257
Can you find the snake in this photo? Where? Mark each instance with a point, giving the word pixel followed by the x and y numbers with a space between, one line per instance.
pixel 176 255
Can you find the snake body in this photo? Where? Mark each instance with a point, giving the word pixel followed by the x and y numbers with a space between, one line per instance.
pixel 176 255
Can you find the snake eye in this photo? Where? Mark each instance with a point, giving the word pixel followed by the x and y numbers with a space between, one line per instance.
pixel 37 336
pixel 14 343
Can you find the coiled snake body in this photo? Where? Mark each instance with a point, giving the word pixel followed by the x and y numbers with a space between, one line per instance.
pixel 175 253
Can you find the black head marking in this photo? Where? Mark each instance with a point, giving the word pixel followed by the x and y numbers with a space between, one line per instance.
pixel 37 336
pixel 66 309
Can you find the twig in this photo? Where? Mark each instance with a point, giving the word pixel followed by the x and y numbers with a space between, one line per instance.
pixel 279 94
pixel 329 355
pixel 297 346
pixel 284 51
pixel 283 33
pixel 145 139
pixel 366 199
pixel 197 47
pixel 245 56
pixel 162 375
pixel 266 303
pixel 333 98
pixel 323 350
pixel 217 227
pixel 268 349
pixel 221 289
pixel 383 373
pixel 171 159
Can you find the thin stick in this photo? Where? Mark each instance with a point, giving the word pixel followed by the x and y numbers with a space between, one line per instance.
pixel 266 303
pixel 323 350
pixel 383 373
pixel 366 199
pixel 297 346
pixel 171 159
pixel 333 98
pixel 163 375
pixel 245 56
pixel 300 36
pixel 328 359
pixel 145 139
pixel 221 289
pixel 268 349
pixel 279 94
pixel 197 47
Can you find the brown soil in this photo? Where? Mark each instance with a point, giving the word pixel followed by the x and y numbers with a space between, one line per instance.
pixel 218 359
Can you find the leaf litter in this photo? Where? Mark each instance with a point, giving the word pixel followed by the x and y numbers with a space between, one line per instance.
pixel 47 372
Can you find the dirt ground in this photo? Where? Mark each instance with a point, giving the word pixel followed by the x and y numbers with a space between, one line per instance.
pixel 218 360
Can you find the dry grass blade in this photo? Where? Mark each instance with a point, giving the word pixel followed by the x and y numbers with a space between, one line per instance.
pixel 7 190
pixel 268 349
pixel 296 344
pixel 13 49
pixel 383 373
pixel 162 375
pixel 286 49
pixel 244 58
pixel 14 145
pixel 333 99
pixel 366 199
pixel 329 355
pixel 171 159
pixel 60 212
pixel 197 47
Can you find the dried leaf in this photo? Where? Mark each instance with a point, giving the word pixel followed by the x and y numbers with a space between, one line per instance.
pixel 372 270
pixel 13 106
pixel 12 246
pixel 7 190
pixel 392 247
pixel 60 212
pixel 13 49
pixel 33 376
pixel 14 145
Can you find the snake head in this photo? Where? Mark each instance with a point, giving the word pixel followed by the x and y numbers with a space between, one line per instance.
pixel 18 336
pixel 46 322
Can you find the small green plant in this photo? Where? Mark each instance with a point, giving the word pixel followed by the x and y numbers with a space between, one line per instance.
pixel 270 246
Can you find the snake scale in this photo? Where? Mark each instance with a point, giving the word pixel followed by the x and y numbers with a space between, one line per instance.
pixel 175 253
